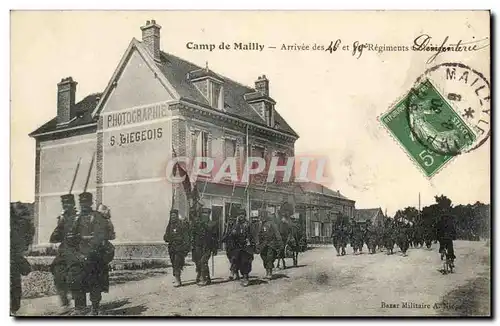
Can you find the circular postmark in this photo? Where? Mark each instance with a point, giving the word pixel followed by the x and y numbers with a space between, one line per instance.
pixel 449 109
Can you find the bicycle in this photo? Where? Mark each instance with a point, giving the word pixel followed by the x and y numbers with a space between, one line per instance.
pixel 448 265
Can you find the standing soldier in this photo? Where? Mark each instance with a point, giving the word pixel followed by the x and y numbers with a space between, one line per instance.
pixel 59 265
pixel 177 236
pixel 89 271
pixel 228 240
pixel 21 237
pixel 205 243
pixel 269 242
pixel 242 248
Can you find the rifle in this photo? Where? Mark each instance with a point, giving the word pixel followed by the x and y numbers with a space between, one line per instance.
pixel 74 176
pixel 88 175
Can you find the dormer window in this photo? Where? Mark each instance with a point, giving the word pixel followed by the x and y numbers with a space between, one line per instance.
pixel 210 85
pixel 269 111
pixel 216 95
pixel 260 101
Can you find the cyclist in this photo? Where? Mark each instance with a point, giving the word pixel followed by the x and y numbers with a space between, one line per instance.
pixel 446 233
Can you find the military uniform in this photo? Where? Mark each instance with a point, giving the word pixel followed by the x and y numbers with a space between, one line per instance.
pixel 228 240
pixel 446 233
pixel 285 230
pixel 402 237
pixel 89 269
pixel 21 237
pixel 356 238
pixel 241 247
pixel 178 237
pixel 204 244
pixel 371 238
pixel 389 237
pixel 59 266
pixel 269 241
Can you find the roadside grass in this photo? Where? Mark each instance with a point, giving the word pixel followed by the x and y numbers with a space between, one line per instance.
pixel 40 282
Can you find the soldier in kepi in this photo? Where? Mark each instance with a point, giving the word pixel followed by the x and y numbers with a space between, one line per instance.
pixel 356 238
pixel 59 264
pixel 178 237
pixel 402 236
pixel 228 240
pixel 242 247
pixel 205 243
pixel 389 236
pixel 22 231
pixel 370 237
pixel 89 270
pixel 269 242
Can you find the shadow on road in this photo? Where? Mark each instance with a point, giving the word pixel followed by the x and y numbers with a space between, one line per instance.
pixel 113 308
pixel 298 266
pixel 279 275
pixel 256 281
pixel 129 311
pixel 114 304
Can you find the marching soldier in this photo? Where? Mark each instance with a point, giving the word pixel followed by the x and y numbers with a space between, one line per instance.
pixel 356 238
pixel 177 236
pixel 402 237
pixel 389 236
pixel 230 245
pixel 285 230
pixel 242 247
pixel 269 242
pixel 299 241
pixel 59 265
pixel 370 237
pixel 89 270
pixel 205 243
pixel 21 237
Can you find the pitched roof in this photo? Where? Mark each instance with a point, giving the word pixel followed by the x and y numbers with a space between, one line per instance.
pixel 176 72
pixel 83 111
pixel 367 214
pixel 316 188
pixel 176 69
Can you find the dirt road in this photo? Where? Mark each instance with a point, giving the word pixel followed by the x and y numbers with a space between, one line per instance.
pixel 323 285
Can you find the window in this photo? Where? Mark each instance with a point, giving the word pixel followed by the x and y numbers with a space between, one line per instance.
pixel 280 175
pixel 257 152
pixel 215 95
pixel 317 229
pixel 229 150
pixel 202 147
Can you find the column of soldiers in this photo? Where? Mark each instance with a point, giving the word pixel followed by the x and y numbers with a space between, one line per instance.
pixel 242 238
pixel 82 262
pixel 198 235
pixel 383 236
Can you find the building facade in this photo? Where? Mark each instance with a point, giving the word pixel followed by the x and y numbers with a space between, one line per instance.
pixel 155 105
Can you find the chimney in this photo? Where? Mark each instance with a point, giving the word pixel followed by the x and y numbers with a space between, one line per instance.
pixel 151 38
pixel 66 91
pixel 262 85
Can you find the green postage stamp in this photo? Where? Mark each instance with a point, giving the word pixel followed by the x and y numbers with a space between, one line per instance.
pixel 428 128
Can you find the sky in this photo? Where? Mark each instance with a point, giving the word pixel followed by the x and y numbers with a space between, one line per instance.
pixel 332 100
